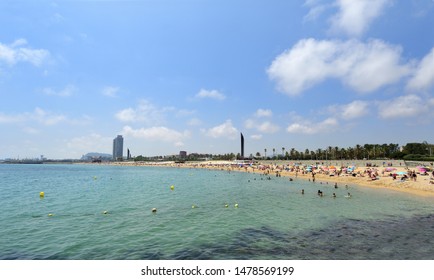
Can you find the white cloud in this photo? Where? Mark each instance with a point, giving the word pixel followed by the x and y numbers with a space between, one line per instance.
pixel 256 136
pixel 18 43
pixel 30 130
pixel 66 92
pixel 404 106
pixel 263 113
pixel 47 118
pixel 16 52
pixel 157 133
pixel 316 9
pixel 213 94
pixel 185 113
pixel 110 91
pixel 307 127
pixel 355 16
pixel 57 18
pixel 260 125
pixel 145 112
pixel 128 115
pixel 267 127
pixel 39 115
pixel 226 130
pixel 353 110
pixel 5 118
pixel 249 124
pixel 365 67
pixel 423 77
pixel 194 122
pixel 89 143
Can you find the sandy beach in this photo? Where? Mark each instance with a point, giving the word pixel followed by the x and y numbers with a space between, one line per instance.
pixel 374 174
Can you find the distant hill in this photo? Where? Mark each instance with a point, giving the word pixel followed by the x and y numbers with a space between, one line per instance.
pixel 91 156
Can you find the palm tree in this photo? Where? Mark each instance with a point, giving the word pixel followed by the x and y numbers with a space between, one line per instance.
pixel 274 150
pixel 319 154
pixel 343 153
pixel 329 151
pixel 358 151
pixel 351 153
pixel 292 153
pixel 283 151
pixel 336 152
pixel 265 153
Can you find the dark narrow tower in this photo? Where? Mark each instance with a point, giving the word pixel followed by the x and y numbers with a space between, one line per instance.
pixel 242 146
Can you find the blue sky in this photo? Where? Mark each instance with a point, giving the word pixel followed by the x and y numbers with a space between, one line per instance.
pixel 191 75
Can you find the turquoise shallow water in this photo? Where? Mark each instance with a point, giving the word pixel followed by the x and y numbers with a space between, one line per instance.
pixel 273 220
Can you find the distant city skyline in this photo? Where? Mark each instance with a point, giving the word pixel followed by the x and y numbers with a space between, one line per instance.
pixel 192 75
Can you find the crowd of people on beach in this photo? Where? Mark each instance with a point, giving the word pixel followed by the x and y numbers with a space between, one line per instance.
pixel 357 172
pixel 370 171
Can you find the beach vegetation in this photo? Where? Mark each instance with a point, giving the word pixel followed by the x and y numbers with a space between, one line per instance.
pixel 418 148
pixel 410 152
pixel 418 157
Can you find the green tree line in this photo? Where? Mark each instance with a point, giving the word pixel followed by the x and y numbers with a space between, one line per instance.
pixel 411 151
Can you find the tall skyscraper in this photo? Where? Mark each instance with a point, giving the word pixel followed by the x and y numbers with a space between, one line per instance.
pixel 242 146
pixel 118 148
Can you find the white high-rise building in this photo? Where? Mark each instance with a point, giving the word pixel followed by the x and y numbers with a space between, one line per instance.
pixel 118 148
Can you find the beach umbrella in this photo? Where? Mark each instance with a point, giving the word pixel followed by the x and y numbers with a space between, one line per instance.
pixel 401 173
pixel 388 169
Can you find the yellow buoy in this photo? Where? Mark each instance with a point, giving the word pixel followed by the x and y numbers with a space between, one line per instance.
pixel 154 210
pixel 50 215
pixel 226 206
pixel 41 194
pixel 172 187
pixel 105 212
pixel 193 206
pixel 236 205
pixel 94 177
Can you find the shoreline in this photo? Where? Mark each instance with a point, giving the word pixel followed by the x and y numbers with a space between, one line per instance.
pixel 384 179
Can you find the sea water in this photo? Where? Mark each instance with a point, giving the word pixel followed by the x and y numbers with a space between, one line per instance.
pixel 209 214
